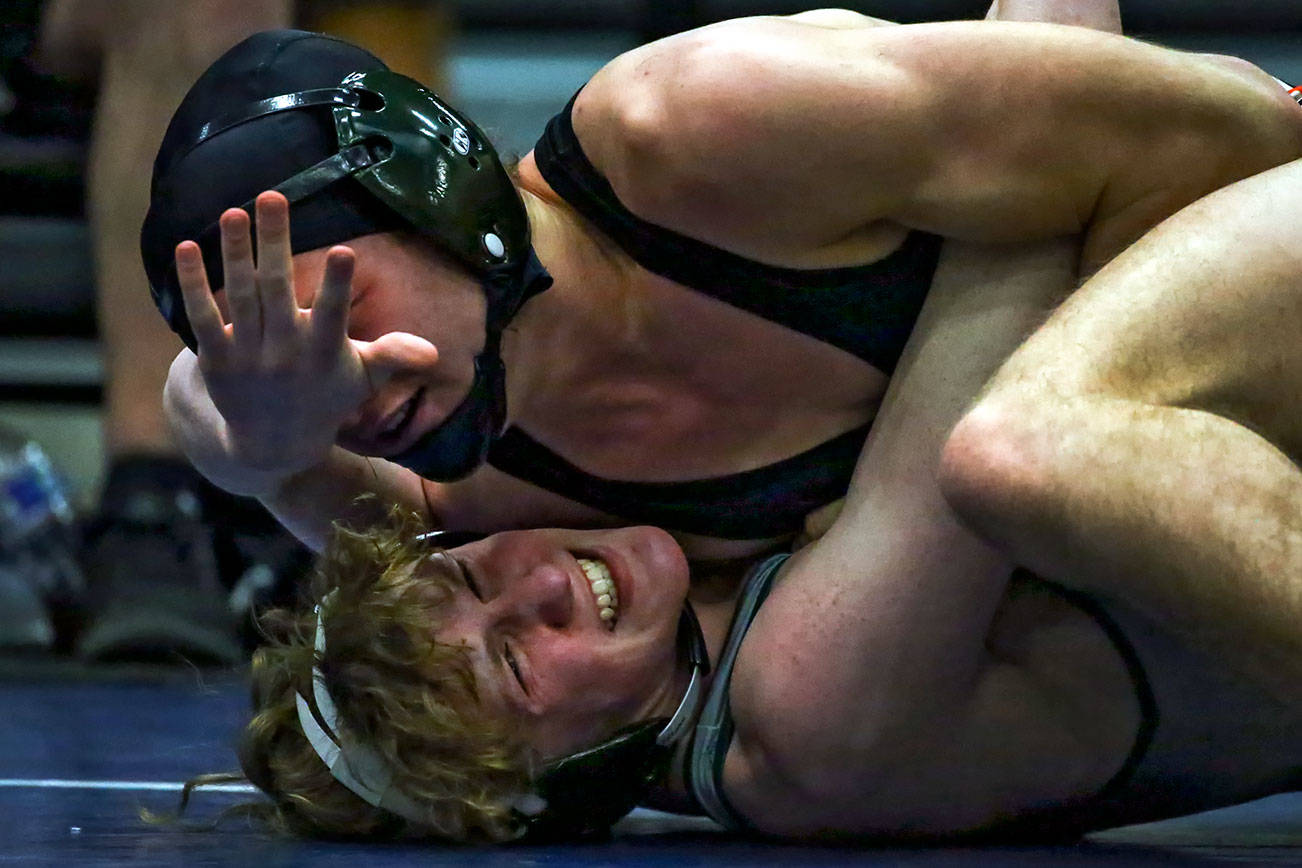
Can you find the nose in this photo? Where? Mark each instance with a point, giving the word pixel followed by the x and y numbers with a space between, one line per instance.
pixel 545 595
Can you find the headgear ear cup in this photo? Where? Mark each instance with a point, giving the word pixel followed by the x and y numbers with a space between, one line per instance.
pixel 587 792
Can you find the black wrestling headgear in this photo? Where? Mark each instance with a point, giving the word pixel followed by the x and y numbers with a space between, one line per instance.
pixel 356 149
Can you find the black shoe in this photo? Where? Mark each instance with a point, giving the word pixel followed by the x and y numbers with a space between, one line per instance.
pixel 261 563
pixel 154 590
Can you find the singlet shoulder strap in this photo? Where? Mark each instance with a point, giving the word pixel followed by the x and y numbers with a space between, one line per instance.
pixel 714 727
pixel 767 501
pixel 866 310
pixel 1144 695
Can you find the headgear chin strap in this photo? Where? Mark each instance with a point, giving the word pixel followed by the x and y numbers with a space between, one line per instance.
pixel 580 795
pixel 461 443
pixel 435 169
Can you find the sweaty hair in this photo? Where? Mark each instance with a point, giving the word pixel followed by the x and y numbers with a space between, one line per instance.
pixel 410 698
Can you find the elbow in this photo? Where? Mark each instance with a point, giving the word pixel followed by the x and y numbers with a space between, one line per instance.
pixel 994 466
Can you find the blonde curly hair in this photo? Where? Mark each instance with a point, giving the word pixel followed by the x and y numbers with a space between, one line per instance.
pixel 410 698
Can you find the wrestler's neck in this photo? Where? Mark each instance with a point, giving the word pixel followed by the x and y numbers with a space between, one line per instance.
pixel 581 333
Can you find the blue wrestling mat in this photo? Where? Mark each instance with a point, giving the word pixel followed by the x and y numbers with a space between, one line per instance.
pixel 85 750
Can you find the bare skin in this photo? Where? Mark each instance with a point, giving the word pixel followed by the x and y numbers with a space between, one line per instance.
pixel 948 700
pixel 957 703
pixel 602 369
pixel 1105 17
pixel 541 654
pixel 1144 443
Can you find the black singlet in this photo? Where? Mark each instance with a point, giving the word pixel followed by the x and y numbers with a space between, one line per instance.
pixel 866 310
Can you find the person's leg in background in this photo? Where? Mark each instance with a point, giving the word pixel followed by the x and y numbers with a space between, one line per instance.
pixel 154 587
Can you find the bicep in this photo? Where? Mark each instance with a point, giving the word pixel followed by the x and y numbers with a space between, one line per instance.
pixel 973 130
pixel 1048 716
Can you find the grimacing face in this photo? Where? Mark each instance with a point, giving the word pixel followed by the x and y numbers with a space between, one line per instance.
pixel 400 284
pixel 528 606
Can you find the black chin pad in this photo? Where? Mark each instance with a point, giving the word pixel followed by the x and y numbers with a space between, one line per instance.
pixel 457 447
pixel 588 792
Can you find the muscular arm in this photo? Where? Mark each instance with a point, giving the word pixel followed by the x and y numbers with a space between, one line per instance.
pixel 866 698
pixel 1144 443
pixel 984 131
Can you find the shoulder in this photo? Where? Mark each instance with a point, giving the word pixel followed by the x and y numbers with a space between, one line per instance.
pixel 648 111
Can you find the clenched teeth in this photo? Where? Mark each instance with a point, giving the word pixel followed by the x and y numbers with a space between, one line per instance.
pixel 603 590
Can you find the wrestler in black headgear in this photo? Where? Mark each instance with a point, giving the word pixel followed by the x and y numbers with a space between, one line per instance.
pixel 356 149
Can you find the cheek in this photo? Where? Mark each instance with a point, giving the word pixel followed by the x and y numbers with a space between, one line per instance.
pixel 662 554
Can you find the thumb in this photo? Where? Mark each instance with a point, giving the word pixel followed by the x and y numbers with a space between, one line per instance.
pixel 394 353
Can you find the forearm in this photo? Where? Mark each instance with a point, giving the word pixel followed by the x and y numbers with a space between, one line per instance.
pixel 1093 133
pixel 345 488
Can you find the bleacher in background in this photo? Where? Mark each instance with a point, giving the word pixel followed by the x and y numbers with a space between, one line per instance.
pixel 514 64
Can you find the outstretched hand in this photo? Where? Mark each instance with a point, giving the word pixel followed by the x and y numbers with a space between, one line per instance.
pixel 282 377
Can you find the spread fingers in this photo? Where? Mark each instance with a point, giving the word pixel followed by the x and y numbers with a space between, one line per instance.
pixel 275 267
pixel 200 307
pixel 330 307
pixel 240 281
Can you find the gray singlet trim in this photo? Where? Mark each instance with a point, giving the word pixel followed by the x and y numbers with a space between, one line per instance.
pixel 714 727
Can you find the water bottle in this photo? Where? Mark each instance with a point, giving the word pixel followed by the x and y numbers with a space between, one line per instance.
pixel 38 544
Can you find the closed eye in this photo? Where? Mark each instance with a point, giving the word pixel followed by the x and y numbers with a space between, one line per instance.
pixel 515 667
pixel 468 579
